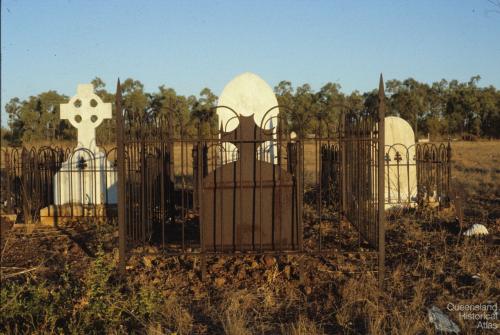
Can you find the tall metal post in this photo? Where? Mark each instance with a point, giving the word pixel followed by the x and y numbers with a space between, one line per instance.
pixel 9 176
pixel 122 233
pixel 300 207
pixel 26 175
pixel 201 156
pixel 170 140
pixel 381 186
pixel 343 161
pixel 448 167
pixel 195 154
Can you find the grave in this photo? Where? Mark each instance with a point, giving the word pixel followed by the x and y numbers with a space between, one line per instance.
pixel 86 180
pixel 400 163
pixel 250 203
pixel 250 96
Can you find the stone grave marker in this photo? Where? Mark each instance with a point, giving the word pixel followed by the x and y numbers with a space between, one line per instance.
pixel 400 164
pixel 87 177
pixel 248 95
pixel 249 203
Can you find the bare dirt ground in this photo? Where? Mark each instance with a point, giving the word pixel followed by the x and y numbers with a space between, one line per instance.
pixel 65 281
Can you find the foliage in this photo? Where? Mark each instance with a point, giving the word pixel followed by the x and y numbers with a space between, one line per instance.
pixel 98 303
pixel 38 304
pixel 442 109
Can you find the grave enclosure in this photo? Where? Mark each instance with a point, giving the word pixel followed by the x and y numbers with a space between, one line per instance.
pixel 244 184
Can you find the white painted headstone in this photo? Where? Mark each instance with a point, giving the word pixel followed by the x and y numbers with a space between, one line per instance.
pixel 401 170
pixel 248 94
pixel 87 177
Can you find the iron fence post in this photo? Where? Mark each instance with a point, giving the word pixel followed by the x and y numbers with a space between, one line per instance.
pixel 381 186
pixel 448 179
pixel 25 174
pixel 199 176
pixel 8 177
pixel 194 156
pixel 122 243
pixel 144 186
pixel 170 145
pixel 300 193
pixel 343 161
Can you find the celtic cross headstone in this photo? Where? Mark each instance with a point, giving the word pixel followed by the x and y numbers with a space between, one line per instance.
pixel 86 111
pixel 87 177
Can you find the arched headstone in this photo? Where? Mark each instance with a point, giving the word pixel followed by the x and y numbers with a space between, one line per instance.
pixel 400 164
pixel 250 203
pixel 248 95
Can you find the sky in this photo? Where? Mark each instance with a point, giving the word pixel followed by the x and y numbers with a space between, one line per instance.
pixel 189 45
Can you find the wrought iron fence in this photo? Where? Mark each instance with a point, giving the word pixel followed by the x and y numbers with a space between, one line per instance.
pixel 434 173
pixel 417 176
pixel 361 143
pixel 50 183
pixel 250 188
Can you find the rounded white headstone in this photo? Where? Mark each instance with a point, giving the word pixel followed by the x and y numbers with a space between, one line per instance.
pixel 247 94
pixel 398 131
pixel 476 230
pixel 401 181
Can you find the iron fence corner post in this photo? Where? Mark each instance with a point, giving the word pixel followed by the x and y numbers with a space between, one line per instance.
pixel 8 177
pixel 25 174
pixel 300 193
pixel 448 166
pixel 381 186
pixel 300 207
pixel 200 174
pixel 194 155
pixel 122 235
pixel 170 139
pixel 144 185
pixel 343 161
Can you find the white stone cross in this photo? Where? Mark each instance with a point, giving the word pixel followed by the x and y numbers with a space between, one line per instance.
pixel 86 111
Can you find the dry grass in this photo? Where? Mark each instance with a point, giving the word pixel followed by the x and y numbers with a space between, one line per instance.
pixel 476 179
pixel 235 311
pixel 476 165
pixel 303 326
pixel 428 264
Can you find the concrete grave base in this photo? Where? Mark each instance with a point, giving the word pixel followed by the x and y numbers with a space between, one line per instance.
pixel 10 217
pixel 54 214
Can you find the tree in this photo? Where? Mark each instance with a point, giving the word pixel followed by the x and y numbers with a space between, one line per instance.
pixel 135 100
pixel 106 132
pixel 16 125
pixel 442 108
pixel 38 118
pixel 463 108
pixel 328 106
pixel 203 111
pixel 303 108
pixel 177 107
pixel 409 100
pixel 6 135
pixel 489 102
pixel 354 101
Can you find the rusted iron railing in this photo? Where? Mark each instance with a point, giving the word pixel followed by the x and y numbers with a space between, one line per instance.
pixel 252 189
